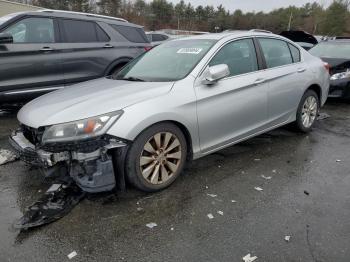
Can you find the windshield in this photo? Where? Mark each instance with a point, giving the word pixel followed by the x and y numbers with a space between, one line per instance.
pixel 5 18
pixel 332 50
pixel 170 61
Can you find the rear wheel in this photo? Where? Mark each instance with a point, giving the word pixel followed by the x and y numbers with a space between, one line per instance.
pixel 156 157
pixel 307 111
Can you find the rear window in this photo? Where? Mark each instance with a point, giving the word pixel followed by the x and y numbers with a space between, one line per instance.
pixel 276 52
pixel 332 50
pixel 295 53
pixel 77 31
pixel 133 34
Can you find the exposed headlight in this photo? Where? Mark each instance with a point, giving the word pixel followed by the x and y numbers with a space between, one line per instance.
pixel 343 75
pixel 81 129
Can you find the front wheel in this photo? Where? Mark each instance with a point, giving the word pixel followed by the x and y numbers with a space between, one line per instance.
pixel 307 111
pixel 156 157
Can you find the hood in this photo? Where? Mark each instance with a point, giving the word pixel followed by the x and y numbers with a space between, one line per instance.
pixel 300 36
pixel 337 65
pixel 88 99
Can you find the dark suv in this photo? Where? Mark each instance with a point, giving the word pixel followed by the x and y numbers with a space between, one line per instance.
pixel 46 50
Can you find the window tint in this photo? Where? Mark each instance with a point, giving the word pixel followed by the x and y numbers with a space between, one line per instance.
pixel 240 56
pixel 276 52
pixel 133 34
pixel 159 37
pixel 76 31
pixel 101 35
pixel 32 30
pixel 295 53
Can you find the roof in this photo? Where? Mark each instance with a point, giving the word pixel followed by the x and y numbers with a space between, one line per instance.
pixel 237 33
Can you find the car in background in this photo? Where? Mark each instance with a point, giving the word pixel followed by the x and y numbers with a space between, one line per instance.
pixel 305 40
pixel 46 50
pixel 337 54
pixel 157 37
pixel 182 100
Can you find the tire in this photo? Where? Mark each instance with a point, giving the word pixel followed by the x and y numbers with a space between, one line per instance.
pixel 151 165
pixel 307 114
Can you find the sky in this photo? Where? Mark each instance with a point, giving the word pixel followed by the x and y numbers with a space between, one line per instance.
pixel 253 5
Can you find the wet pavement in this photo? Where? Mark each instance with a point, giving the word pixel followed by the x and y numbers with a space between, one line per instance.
pixel 307 198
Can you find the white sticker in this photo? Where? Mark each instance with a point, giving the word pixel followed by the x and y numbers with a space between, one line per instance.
pixel 190 50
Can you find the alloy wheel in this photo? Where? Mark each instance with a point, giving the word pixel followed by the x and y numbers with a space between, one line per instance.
pixel 160 158
pixel 309 111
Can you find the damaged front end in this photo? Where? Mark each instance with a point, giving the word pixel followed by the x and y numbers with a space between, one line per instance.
pixel 87 161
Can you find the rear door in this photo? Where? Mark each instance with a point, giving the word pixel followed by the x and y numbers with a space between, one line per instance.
pixel 86 50
pixel 30 66
pixel 286 76
pixel 234 107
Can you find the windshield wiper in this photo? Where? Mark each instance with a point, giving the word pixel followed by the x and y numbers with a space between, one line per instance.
pixel 131 78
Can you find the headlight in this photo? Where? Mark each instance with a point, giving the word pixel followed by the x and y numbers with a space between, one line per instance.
pixel 81 129
pixel 343 75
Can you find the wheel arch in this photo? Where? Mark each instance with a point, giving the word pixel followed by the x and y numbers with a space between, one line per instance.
pixel 122 60
pixel 317 89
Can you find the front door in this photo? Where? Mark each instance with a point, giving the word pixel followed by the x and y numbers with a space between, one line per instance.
pixel 30 66
pixel 234 107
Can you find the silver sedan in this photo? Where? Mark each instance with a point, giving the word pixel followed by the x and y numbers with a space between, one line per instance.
pixel 182 100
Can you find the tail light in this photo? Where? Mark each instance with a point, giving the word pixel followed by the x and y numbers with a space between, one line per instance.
pixel 327 66
pixel 147 48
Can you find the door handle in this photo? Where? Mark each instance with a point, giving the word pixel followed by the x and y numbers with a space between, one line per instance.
pixel 301 70
pixel 259 81
pixel 46 49
pixel 108 46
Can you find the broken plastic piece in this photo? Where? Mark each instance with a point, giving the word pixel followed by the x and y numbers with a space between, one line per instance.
pixel 220 213
pixel 51 206
pixel 7 156
pixel 233 201
pixel 151 225
pixel 266 177
pixel 73 254
pixel 287 238
pixel 249 258
pixel 322 116
pixel 258 188
pixel 338 160
pixel 210 216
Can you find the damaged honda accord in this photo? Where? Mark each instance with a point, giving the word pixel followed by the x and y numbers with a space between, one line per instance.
pixel 180 101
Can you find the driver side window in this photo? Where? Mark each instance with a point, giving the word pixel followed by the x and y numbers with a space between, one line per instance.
pixel 32 30
pixel 239 56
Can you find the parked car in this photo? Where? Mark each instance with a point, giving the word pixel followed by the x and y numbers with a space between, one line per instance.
pixel 337 54
pixel 182 100
pixel 157 38
pixel 305 40
pixel 42 51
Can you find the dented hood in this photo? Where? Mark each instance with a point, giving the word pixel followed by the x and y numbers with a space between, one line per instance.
pixel 88 99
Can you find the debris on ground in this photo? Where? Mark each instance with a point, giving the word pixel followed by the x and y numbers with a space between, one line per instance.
pixel 274 171
pixel 172 229
pixel 73 254
pixel 210 216
pixel 233 201
pixel 287 238
pixel 338 160
pixel 249 258
pixel 306 192
pixel 139 209
pixel 257 159
pixel 220 213
pixel 57 202
pixel 258 188
pixel 151 225
pixel 212 195
pixel 7 156
pixel 322 116
pixel 266 177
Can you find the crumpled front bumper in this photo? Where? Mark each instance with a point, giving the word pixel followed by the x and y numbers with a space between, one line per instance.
pixel 93 171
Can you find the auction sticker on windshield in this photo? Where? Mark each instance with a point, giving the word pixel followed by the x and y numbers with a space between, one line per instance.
pixel 192 50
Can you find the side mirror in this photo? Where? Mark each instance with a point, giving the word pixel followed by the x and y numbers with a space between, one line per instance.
pixel 6 38
pixel 215 73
